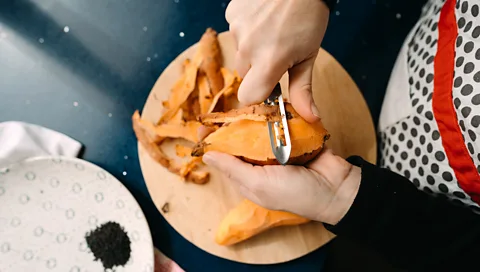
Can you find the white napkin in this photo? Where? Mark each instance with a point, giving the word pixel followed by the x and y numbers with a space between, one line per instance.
pixel 20 141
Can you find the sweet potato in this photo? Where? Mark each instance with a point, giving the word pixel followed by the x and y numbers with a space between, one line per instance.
pixel 246 137
pixel 249 219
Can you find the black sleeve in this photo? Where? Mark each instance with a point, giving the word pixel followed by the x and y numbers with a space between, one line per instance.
pixel 409 228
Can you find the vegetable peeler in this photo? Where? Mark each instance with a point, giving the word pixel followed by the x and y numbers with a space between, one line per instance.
pixel 279 134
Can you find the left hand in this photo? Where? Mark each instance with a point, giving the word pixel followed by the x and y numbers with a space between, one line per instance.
pixel 275 37
pixel 323 190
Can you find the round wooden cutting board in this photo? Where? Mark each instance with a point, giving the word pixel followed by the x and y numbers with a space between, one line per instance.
pixel 195 211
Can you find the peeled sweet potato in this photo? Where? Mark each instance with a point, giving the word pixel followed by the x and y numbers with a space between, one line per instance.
pixel 249 219
pixel 245 135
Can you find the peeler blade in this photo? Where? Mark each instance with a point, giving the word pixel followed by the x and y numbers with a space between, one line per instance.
pixel 278 131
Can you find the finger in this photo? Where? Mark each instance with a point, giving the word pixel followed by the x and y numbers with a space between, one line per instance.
pixel 235 169
pixel 300 90
pixel 259 81
pixel 231 11
pixel 242 65
pixel 204 131
pixel 241 8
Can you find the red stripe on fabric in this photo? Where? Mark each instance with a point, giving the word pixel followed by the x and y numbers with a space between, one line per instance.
pixel 444 111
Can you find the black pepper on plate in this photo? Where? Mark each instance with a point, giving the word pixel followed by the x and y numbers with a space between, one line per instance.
pixel 110 244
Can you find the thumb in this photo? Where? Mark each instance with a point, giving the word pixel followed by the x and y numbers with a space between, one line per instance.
pixel 232 167
pixel 259 82
pixel 300 79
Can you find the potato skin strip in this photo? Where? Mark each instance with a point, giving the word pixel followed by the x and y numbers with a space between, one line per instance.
pixel 159 156
pixel 263 113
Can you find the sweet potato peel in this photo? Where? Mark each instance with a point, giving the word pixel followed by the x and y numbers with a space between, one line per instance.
pixel 148 128
pixel 181 90
pixel 263 113
pixel 189 166
pixel 205 95
pixel 177 118
pixel 232 83
pixel 182 151
pixel 159 156
pixel 195 92
pixel 209 48
pixel 187 130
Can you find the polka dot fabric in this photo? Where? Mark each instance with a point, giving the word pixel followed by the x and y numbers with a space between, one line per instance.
pixel 466 92
pixel 412 146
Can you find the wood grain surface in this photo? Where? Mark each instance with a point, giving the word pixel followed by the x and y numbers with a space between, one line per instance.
pixel 195 211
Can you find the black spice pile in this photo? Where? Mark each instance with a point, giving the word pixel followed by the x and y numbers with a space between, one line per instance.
pixel 110 244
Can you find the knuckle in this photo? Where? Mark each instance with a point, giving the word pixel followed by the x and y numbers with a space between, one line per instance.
pixel 275 60
pixel 243 50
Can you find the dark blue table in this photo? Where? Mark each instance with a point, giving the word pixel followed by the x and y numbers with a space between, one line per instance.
pixel 82 67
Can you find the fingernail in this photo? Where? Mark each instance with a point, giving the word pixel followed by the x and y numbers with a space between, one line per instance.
pixel 315 109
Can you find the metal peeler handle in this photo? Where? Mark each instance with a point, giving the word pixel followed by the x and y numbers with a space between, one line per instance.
pixel 278 131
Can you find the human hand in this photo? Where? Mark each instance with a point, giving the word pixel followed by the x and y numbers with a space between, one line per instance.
pixel 323 190
pixel 274 37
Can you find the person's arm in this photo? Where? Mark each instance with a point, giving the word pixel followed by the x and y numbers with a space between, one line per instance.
pixel 409 228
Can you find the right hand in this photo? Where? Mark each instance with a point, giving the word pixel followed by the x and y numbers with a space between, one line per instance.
pixel 322 190
pixel 273 37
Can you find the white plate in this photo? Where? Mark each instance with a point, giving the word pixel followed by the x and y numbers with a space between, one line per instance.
pixel 47 205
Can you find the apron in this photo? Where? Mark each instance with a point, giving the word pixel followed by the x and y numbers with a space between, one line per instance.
pixel 430 119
